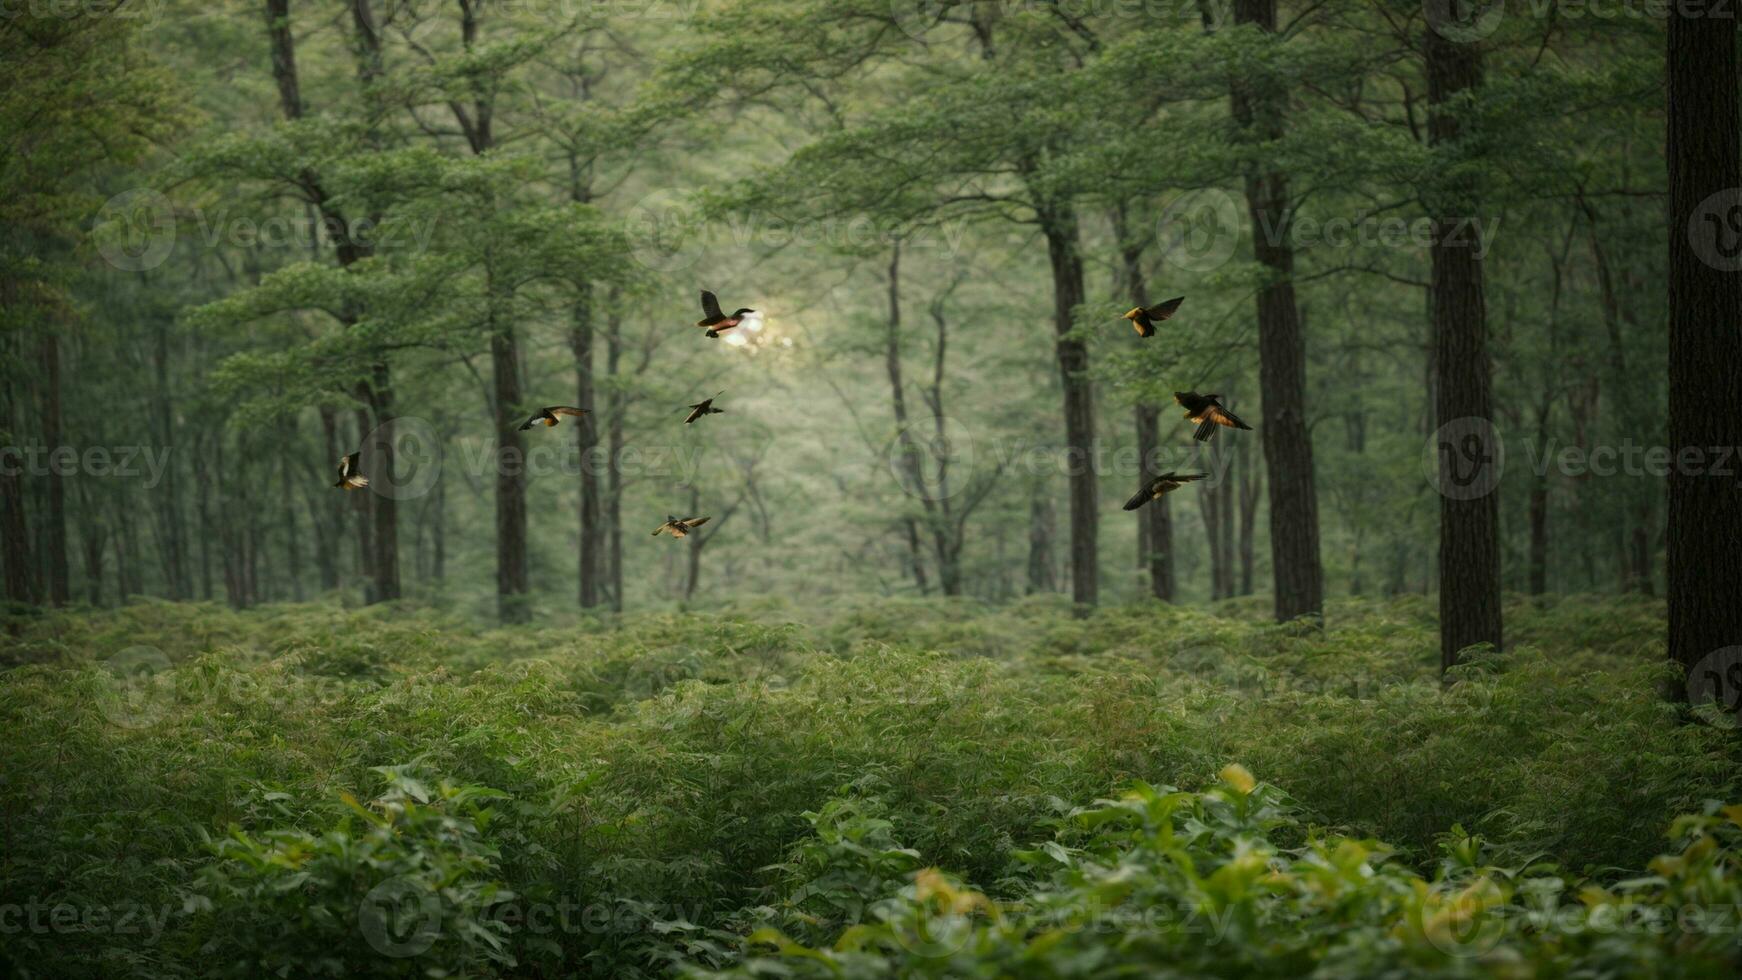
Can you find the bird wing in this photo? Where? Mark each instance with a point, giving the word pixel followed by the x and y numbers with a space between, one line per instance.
pixel 661 529
pixel 694 522
pixel 1206 429
pixel 1221 416
pixel 1142 496
pixel 1164 310
pixel 566 410
pixel 711 306
pixel 696 412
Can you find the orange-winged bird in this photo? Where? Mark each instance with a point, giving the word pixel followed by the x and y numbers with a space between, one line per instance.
pixel 1160 486
pixel 350 475
pixel 1145 318
pixel 549 415
pixel 1208 413
pixel 716 321
pixel 679 528
pixel 701 408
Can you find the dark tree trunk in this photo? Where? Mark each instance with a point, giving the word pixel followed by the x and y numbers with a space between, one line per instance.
pixel 1063 245
pixel 326 512
pixel 1250 488
pixel 168 495
pixel 613 454
pixel 1155 519
pixel 1705 342
pixel 292 537
pixel 1259 107
pixel 55 532
pixel 384 553
pixel 587 441
pixel 1469 524
pixel 1210 505
pixel 511 599
pixel 1042 576
pixel 913 484
pixel 14 531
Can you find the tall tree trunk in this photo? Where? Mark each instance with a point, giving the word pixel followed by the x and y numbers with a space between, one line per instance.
pixel 326 511
pixel 384 507
pixel 614 440
pixel 174 536
pixel 59 583
pixel 1064 253
pixel 587 441
pixel 14 531
pixel 913 482
pixel 292 538
pixel 1705 342
pixel 511 579
pixel 1469 525
pixel 1042 576
pixel 1155 519
pixel 1250 487
pixel 1259 107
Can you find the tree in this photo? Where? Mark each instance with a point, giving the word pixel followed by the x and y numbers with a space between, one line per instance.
pixel 1705 345
pixel 1469 522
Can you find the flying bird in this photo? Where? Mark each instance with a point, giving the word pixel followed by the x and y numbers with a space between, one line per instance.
pixel 1161 486
pixel 549 415
pixel 350 476
pixel 716 321
pixel 679 528
pixel 701 408
pixel 1208 413
pixel 1145 318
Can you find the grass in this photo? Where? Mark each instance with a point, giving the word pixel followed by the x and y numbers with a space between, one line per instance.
pixel 263 773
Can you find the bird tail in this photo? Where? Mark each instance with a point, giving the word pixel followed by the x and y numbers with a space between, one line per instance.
pixel 1206 429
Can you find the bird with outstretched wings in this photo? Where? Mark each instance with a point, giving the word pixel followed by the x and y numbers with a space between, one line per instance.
pixel 679 527
pixel 1160 487
pixel 550 416
pixel 1144 318
pixel 1207 411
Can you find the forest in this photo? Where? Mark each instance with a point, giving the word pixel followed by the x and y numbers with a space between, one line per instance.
pixel 948 488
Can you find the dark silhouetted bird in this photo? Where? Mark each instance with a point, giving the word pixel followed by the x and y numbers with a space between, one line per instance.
pixel 1145 318
pixel 549 415
pixel 1160 486
pixel 1208 413
pixel 701 408
pixel 716 321
pixel 679 528
pixel 350 475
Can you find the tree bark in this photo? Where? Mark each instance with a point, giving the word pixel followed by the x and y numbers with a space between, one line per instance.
pixel 1042 576
pixel 511 578
pixel 587 442
pixel 59 584
pixel 1705 342
pixel 1288 449
pixel 14 531
pixel 614 441
pixel 1469 528
pixel 913 482
pixel 1064 253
